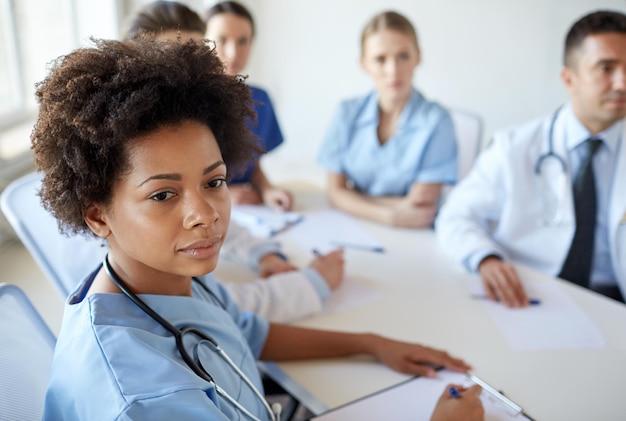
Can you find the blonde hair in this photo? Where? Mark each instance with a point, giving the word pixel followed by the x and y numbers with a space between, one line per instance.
pixel 389 20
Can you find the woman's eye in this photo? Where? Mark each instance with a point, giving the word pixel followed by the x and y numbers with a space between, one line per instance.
pixel 218 182
pixel 161 196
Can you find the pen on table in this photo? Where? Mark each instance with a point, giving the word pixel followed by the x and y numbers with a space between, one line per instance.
pixel 454 393
pixel 375 249
pixel 279 230
pixel 531 301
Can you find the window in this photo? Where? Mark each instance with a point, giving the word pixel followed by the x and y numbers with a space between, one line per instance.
pixel 32 34
pixel 11 100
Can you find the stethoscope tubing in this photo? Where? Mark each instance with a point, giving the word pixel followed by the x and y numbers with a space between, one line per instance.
pixel 551 153
pixel 178 335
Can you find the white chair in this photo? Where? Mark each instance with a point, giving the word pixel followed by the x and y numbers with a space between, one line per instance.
pixel 63 260
pixel 468 128
pixel 26 350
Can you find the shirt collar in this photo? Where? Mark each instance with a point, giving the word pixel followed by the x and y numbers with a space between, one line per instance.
pixel 369 115
pixel 576 133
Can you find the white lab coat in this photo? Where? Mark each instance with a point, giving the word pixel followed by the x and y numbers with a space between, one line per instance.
pixel 499 205
pixel 284 297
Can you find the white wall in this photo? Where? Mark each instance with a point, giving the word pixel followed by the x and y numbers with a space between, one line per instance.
pixel 500 58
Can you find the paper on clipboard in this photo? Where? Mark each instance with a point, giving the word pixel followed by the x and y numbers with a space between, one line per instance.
pixel 263 221
pixel 415 399
pixel 331 229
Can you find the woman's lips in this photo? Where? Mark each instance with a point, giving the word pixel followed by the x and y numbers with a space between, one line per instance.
pixel 202 249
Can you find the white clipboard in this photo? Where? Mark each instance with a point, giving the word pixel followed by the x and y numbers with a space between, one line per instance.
pixel 415 399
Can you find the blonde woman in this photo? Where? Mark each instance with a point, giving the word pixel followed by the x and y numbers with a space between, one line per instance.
pixel 388 153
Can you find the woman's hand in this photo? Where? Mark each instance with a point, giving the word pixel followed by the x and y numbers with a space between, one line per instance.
pixel 244 194
pixel 271 264
pixel 277 198
pixel 466 407
pixel 331 267
pixel 407 214
pixel 414 359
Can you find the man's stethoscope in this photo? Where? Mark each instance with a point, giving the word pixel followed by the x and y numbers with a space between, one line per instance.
pixel 194 363
pixel 553 191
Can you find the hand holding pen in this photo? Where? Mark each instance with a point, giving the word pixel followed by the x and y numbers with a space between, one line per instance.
pixel 501 282
pixel 330 266
pixel 459 403
pixel 278 199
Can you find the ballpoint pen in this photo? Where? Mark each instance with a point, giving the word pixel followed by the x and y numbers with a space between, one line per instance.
pixel 375 249
pixel 454 393
pixel 531 301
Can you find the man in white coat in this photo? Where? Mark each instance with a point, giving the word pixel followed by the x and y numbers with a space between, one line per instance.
pixel 551 193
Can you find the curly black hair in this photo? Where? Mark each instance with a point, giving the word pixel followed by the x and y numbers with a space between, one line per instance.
pixel 96 101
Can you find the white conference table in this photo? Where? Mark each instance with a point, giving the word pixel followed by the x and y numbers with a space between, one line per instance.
pixel 425 298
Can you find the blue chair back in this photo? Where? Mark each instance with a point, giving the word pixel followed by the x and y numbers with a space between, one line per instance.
pixel 64 260
pixel 26 350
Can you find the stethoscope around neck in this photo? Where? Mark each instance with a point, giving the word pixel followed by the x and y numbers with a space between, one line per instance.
pixel 194 363
pixel 553 215
pixel 550 154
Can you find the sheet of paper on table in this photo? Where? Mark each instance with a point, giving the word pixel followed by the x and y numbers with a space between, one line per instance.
pixel 351 293
pixel 557 322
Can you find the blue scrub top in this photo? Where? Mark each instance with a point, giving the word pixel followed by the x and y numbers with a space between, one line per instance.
pixel 113 362
pixel 267 130
pixel 423 149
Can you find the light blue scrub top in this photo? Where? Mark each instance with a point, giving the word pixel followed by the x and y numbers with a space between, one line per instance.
pixel 423 149
pixel 113 362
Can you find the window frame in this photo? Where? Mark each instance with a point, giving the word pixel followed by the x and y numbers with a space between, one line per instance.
pixel 18 113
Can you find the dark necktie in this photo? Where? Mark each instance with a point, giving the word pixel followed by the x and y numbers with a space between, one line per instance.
pixel 577 266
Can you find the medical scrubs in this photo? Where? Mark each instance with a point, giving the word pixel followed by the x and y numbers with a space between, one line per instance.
pixel 113 362
pixel 422 150
pixel 267 130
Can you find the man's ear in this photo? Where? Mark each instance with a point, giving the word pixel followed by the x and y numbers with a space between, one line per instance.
pixel 567 76
pixel 96 220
